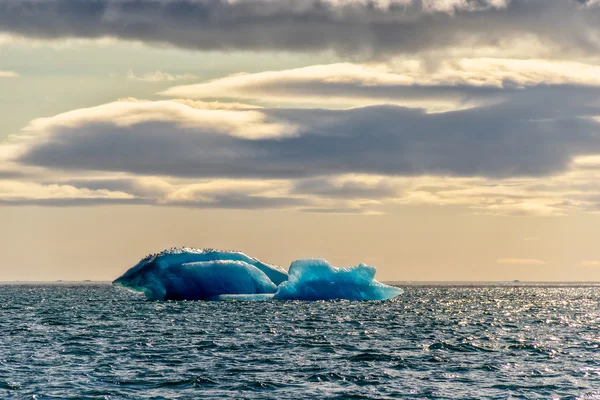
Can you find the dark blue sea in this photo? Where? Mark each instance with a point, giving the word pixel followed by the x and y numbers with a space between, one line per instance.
pixel 94 341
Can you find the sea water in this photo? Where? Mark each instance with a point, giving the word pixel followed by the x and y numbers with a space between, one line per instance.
pixel 96 341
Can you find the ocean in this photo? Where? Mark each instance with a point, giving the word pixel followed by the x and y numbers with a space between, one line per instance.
pixel 95 341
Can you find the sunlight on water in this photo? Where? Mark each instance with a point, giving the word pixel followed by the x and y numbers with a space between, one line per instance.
pixel 94 341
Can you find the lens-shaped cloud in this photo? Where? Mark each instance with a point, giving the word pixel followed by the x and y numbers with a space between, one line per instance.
pixel 452 84
pixel 533 153
pixel 537 133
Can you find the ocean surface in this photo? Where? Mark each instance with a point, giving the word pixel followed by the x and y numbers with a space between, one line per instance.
pixel 94 341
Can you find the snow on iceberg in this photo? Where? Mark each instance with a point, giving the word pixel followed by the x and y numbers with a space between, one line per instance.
pixel 316 279
pixel 192 274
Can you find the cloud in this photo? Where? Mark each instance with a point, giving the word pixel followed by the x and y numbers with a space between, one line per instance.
pixel 68 202
pixel 349 187
pixel 343 194
pixel 211 105
pixel 591 162
pixel 8 74
pixel 19 192
pixel 522 208
pixel 509 137
pixel 452 84
pixel 533 154
pixel 149 191
pixel 589 263
pixel 221 193
pixel 159 76
pixel 184 115
pixel 520 261
pixel 498 197
pixel 557 195
pixel 10 174
pixel 353 27
pixel 528 136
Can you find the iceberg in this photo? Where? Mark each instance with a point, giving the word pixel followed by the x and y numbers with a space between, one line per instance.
pixel 194 274
pixel 316 279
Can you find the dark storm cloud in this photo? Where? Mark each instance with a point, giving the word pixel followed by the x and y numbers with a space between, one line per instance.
pixel 536 133
pixel 351 27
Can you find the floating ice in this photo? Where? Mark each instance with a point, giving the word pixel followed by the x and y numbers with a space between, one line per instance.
pixel 316 279
pixel 192 274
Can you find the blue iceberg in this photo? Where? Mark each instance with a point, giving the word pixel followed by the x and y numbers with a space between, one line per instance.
pixel 316 279
pixel 193 274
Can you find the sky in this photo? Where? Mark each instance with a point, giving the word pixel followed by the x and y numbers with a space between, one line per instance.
pixel 433 139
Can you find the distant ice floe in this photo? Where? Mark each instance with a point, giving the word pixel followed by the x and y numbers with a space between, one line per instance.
pixel 194 274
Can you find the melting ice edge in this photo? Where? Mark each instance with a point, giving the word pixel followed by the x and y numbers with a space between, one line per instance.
pixel 195 274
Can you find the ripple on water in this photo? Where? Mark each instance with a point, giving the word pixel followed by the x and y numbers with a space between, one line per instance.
pixel 94 341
